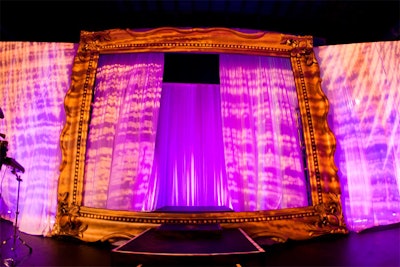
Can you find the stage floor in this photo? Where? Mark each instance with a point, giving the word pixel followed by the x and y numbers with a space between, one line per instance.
pixel 374 247
pixel 188 245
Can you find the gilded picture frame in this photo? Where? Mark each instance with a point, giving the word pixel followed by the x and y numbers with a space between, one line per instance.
pixel 324 214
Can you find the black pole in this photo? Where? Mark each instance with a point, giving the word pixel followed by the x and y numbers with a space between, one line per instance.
pixel 15 236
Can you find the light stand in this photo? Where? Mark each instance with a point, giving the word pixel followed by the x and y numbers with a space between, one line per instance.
pixel 15 236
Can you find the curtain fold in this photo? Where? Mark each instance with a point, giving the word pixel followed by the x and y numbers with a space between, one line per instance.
pixel 186 158
pixel 34 79
pixel 262 148
pixel 123 130
pixel 362 84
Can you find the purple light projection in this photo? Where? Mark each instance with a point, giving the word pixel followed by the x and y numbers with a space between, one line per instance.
pixel 234 144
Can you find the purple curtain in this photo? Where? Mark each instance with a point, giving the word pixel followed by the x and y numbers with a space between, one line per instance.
pixel 123 130
pixel 263 156
pixel 189 167
pixel 154 144
pixel 34 79
pixel 362 83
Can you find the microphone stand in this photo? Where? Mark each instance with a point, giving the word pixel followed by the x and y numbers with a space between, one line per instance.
pixel 15 236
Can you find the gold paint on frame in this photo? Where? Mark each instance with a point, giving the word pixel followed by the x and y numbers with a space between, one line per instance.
pixel 323 216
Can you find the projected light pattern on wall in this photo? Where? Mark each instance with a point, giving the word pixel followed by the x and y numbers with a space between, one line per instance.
pixel 362 83
pixel 360 80
pixel 233 144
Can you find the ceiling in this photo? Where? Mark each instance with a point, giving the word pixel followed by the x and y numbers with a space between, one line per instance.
pixel 329 22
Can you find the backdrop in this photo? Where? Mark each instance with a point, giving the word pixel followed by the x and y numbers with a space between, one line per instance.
pixel 361 82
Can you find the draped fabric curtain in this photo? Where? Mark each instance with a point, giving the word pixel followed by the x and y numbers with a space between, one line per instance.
pixel 360 80
pixel 362 83
pixel 123 130
pixel 262 150
pixel 257 135
pixel 189 167
pixel 34 79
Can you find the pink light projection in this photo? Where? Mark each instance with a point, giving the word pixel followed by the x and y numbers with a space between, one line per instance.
pixel 234 144
pixel 362 84
pixel 360 80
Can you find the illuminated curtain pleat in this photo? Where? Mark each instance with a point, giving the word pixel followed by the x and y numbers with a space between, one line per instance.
pixel 262 149
pixel 34 78
pixel 362 83
pixel 189 168
pixel 123 129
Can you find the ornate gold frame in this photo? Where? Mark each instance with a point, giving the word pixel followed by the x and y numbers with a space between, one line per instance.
pixel 323 216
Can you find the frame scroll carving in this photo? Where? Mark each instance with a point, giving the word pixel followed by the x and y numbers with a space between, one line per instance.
pixel 323 216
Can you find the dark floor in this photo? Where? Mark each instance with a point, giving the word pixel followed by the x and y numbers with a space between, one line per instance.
pixel 373 247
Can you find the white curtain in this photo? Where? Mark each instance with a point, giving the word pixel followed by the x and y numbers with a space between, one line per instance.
pixel 34 79
pixel 123 130
pixel 362 82
pixel 262 150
